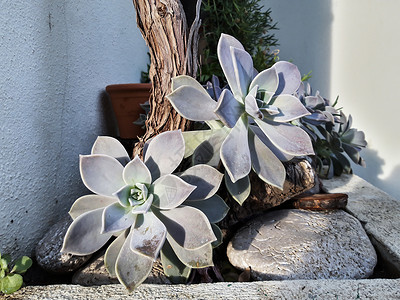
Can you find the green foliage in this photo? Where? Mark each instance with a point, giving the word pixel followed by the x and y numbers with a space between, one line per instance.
pixel 244 19
pixel 11 281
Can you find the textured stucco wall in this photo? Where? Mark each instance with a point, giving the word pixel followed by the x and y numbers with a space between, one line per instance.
pixel 352 49
pixel 56 57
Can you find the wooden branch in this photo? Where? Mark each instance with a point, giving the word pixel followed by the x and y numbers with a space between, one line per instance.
pixel 173 52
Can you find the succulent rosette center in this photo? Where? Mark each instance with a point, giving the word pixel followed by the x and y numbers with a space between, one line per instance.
pixel 138 194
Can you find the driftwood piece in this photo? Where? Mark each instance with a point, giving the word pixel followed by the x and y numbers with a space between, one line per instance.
pixel 300 177
pixel 320 201
pixel 173 51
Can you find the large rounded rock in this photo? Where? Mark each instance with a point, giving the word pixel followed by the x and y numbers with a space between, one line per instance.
pixel 48 254
pixel 298 244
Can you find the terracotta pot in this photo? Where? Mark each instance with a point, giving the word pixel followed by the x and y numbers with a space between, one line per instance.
pixel 126 100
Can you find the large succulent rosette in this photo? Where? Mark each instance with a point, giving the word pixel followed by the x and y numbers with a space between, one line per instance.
pixel 250 124
pixel 147 208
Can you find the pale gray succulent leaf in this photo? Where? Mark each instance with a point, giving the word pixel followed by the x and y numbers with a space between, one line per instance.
pixel 188 226
pixel 141 209
pixel 208 152
pixel 252 108
pixel 148 235
pixel 194 138
pixel 132 268
pixel 235 153
pixel 164 153
pixel 111 147
pixel 218 233
pixel 289 77
pixel 170 191
pixel 240 190
pixel 193 258
pixel 267 81
pixel 173 268
pixel 228 108
pixel 193 104
pixel 265 164
pixel 214 208
pixel 83 236
pixel 116 218
pixel 112 252
pixel 206 178
pixel 89 202
pixel 288 138
pixel 102 174
pixel 225 59
pixel 243 66
pixel 136 172
pixel 282 156
pixel 290 108
pixel 184 80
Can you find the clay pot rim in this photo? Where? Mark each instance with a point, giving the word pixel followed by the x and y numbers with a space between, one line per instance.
pixel 128 87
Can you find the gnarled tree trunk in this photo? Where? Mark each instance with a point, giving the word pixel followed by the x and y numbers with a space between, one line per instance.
pixel 173 51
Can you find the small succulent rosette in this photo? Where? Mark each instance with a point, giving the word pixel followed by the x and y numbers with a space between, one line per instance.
pixel 146 208
pixel 250 124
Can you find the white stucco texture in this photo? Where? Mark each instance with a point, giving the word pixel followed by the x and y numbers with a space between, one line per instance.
pixel 56 57
pixel 352 49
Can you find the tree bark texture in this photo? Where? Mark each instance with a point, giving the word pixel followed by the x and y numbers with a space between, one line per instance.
pixel 173 51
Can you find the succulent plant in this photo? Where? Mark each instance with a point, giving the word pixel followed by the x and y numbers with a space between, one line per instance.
pixel 331 134
pixel 11 280
pixel 147 208
pixel 249 124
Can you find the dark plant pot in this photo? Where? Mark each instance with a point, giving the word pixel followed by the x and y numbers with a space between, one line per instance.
pixel 126 100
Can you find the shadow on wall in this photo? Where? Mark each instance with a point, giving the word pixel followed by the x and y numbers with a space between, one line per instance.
pixel 373 171
pixel 304 37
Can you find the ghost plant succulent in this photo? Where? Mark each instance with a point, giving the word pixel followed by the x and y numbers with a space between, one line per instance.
pixel 331 133
pixel 147 208
pixel 250 124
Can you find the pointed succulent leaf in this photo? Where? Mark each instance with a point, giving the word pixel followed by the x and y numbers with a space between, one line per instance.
pixel 170 191
pixel 206 178
pixel 286 137
pixel 252 107
pixel 282 156
pixel 290 109
pixel 116 218
pixel 194 138
pixel 214 208
pixel 184 80
pixel 235 153
pixel 11 283
pixel 188 226
pixel 164 153
pixel 173 268
pixel 343 162
pixel 289 77
pixel 267 81
pixel 270 110
pixel 354 137
pixel 112 147
pixel 111 255
pixel 88 203
pixel 218 233
pixel 208 152
pixel 225 59
pixel 22 265
pixel 193 104
pixel 193 258
pixel 83 236
pixel 123 195
pixel 132 268
pixel 148 235
pixel 136 172
pixel 352 152
pixel 143 208
pixel 265 164
pixel 314 102
pixel 243 66
pixel 101 174
pixel 228 109
pixel 240 190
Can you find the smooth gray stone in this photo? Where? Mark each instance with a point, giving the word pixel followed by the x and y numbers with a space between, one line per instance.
pixel 48 254
pixel 289 289
pixel 95 273
pixel 298 244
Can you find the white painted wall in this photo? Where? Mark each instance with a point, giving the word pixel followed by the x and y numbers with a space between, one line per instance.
pixel 56 57
pixel 353 49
